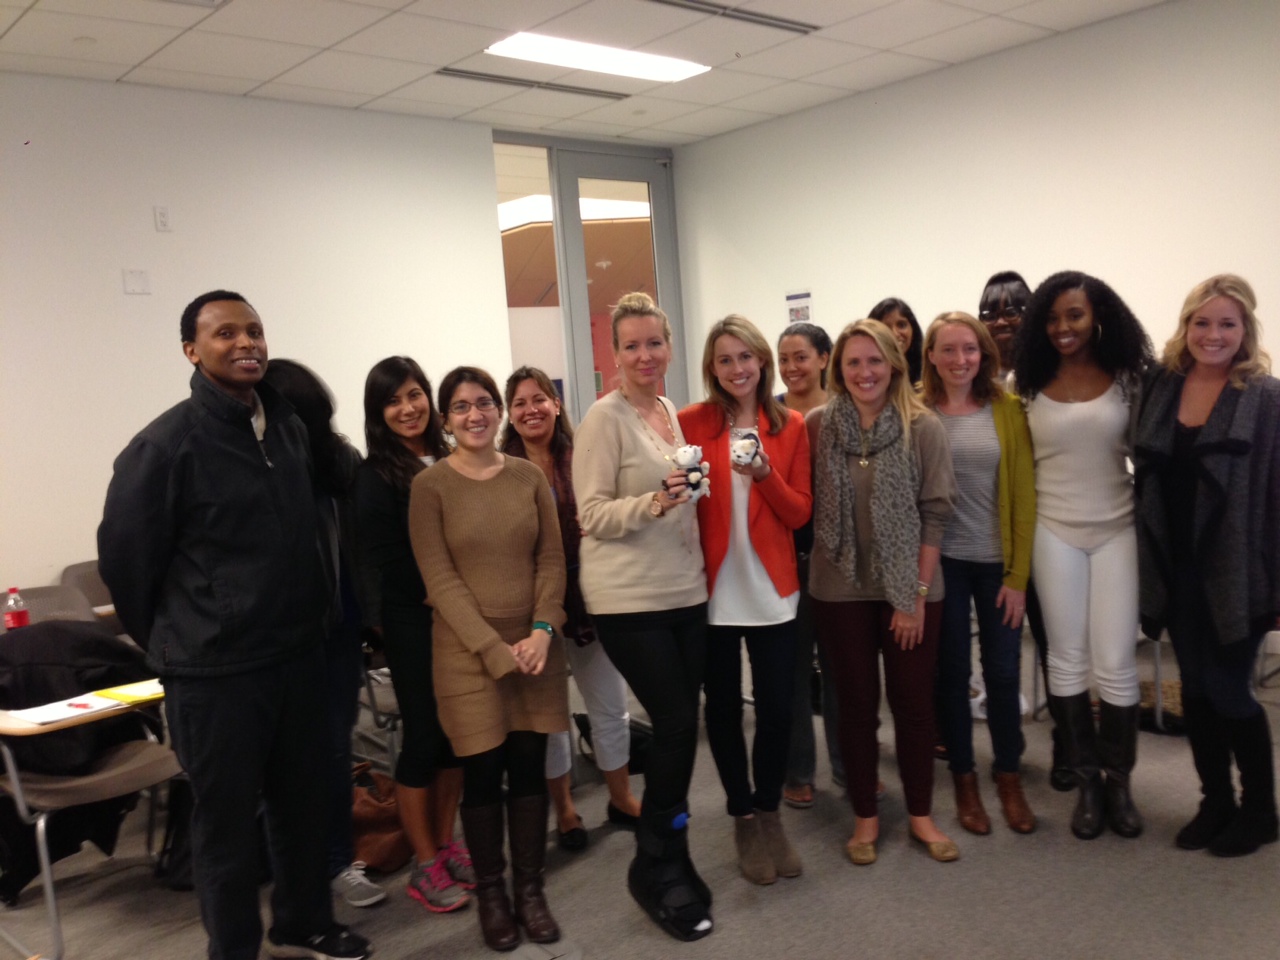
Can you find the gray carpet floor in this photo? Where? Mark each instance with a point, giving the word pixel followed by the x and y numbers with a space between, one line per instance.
pixel 1046 895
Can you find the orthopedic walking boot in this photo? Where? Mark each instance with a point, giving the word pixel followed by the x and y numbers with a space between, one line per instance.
pixel 1074 717
pixel 1118 751
pixel 1255 823
pixel 661 877
pixel 527 823
pixel 1211 754
pixel 483 828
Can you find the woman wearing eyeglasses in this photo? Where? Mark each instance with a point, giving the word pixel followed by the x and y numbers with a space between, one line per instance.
pixel 487 540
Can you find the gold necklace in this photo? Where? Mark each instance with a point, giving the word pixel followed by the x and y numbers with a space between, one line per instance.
pixel 648 430
pixel 864 462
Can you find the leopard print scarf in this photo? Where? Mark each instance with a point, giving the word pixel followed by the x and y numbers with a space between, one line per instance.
pixel 894 538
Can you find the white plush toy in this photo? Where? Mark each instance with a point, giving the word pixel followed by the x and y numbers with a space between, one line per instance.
pixel 745 451
pixel 689 459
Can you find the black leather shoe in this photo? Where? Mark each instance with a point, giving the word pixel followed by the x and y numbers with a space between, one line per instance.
pixel 574 840
pixel 621 818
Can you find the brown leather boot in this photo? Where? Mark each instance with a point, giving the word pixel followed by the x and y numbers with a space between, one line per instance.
pixel 1017 813
pixel 527 822
pixel 483 829
pixel 973 817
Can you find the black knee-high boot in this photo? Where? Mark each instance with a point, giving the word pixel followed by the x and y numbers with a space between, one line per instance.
pixel 527 823
pixel 483 828
pixel 1211 754
pixel 1118 752
pixel 1074 717
pixel 1255 823
pixel 661 877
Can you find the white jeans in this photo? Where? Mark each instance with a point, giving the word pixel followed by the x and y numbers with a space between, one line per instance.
pixel 605 694
pixel 1090 603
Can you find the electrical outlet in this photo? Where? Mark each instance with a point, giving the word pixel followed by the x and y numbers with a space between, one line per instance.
pixel 137 282
pixel 162 219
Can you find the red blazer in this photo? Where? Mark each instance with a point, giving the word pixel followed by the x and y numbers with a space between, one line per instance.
pixel 779 504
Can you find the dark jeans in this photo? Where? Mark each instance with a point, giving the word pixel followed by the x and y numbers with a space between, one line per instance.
pixel 855 633
pixel 342 661
pixel 245 739
pixel 802 757
pixel 663 657
pixel 772 653
pixel 1000 648
pixel 424 748
pixel 520 759
pixel 1222 674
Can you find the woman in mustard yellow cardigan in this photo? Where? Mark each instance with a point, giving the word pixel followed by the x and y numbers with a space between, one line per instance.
pixel 986 557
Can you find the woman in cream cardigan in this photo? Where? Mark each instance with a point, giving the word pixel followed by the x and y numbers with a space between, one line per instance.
pixel 643 581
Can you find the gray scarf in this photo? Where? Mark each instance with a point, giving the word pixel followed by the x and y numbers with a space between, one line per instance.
pixel 894 537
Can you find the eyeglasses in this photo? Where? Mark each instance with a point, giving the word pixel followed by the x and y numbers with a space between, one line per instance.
pixel 462 407
pixel 1004 313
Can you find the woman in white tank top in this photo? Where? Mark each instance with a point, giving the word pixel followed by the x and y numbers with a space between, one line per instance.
pixel 1077 359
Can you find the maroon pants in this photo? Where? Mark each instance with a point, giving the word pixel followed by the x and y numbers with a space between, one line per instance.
pixel 853 633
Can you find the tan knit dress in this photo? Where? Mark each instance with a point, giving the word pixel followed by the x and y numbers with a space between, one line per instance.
pixel 492 560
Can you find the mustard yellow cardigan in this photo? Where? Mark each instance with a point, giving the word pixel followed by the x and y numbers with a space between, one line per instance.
pixel 1016 491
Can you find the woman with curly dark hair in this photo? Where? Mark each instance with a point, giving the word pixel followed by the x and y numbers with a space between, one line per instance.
pixel 1078 357
pixel 901 321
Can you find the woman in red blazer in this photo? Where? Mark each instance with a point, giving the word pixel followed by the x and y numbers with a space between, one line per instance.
pixel 746 528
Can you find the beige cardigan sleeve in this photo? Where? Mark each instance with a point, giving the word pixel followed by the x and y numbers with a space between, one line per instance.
pixel 446 592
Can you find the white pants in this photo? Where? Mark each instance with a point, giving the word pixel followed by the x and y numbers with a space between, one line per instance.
pixel 1090 603
pixel 605 694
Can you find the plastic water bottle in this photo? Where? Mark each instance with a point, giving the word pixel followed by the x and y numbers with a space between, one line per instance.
pixel 16 613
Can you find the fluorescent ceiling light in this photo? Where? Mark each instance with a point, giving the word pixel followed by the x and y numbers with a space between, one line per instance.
pixel 537 209
pixel 592 56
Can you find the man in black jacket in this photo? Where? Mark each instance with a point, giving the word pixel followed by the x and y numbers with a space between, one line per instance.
pixel 209 547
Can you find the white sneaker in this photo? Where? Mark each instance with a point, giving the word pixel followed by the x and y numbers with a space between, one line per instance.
pixel 355 888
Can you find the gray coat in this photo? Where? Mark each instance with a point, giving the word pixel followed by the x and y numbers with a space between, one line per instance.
pixel 1237 512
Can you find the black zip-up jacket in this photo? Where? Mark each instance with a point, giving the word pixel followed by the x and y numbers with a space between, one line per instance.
pixel 209 542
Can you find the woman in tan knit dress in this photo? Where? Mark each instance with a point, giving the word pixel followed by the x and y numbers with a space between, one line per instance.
pixel 487 540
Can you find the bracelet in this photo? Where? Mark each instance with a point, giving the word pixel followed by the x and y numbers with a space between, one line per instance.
pixel 543 625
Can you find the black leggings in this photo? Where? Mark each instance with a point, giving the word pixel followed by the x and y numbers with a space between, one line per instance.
pixel 521 758
pixel 662 655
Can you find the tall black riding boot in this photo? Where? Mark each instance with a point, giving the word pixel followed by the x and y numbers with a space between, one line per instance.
pixel 482 826
pixel 1060 776
pixel 1118 752
pixel 527 823
pixel 661 877
pixel 1255 823
pixel 1074 717
pixel 1211 754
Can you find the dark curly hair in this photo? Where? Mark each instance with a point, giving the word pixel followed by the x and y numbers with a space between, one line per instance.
pixel 1120 344
pixel 915 351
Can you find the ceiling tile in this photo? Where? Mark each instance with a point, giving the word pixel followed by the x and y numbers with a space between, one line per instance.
pixel 465 93
pixel 589 127
pixel 139 11
pixel 353 73
pixel 287 91
pixel 508 119
pixel 900 23
pixel 820 13
pixel 710 121
pixel 220 55
pixel 551 103
pixel 639 111
pixel 1069 14
pixel 800 57
pixel 667 138
pixel 73 37
pixel 717 41
pixel 989 6
pixel 875 71
pixel 502 14
pixel 788 98
pixel 383 4
pixel 714 87
pixel 403 36
pixel 313 23
pixel 58 67
pixel 186 80
pixel 975 39
pixel 619 23
pixel 7 16
pixel 420 108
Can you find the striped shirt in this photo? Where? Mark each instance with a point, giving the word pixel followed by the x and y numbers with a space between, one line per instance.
pixel 974 531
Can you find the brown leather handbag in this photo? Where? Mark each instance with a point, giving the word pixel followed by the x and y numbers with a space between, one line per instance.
pixel 377 836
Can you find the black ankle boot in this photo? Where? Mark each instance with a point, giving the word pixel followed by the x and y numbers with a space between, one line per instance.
pixel 661 877
pixel 1255 823
pixel 1074 718
pixel 1211 753
pixel 1118 752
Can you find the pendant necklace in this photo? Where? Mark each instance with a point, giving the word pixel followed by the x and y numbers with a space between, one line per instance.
pixel 648 430
pixel 863 461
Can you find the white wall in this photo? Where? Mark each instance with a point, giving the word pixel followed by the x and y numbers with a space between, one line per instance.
pixel 537 340
pixel 1145 150
pixel 355 235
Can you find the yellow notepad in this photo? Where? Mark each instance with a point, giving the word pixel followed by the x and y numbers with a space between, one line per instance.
pixel 141 692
